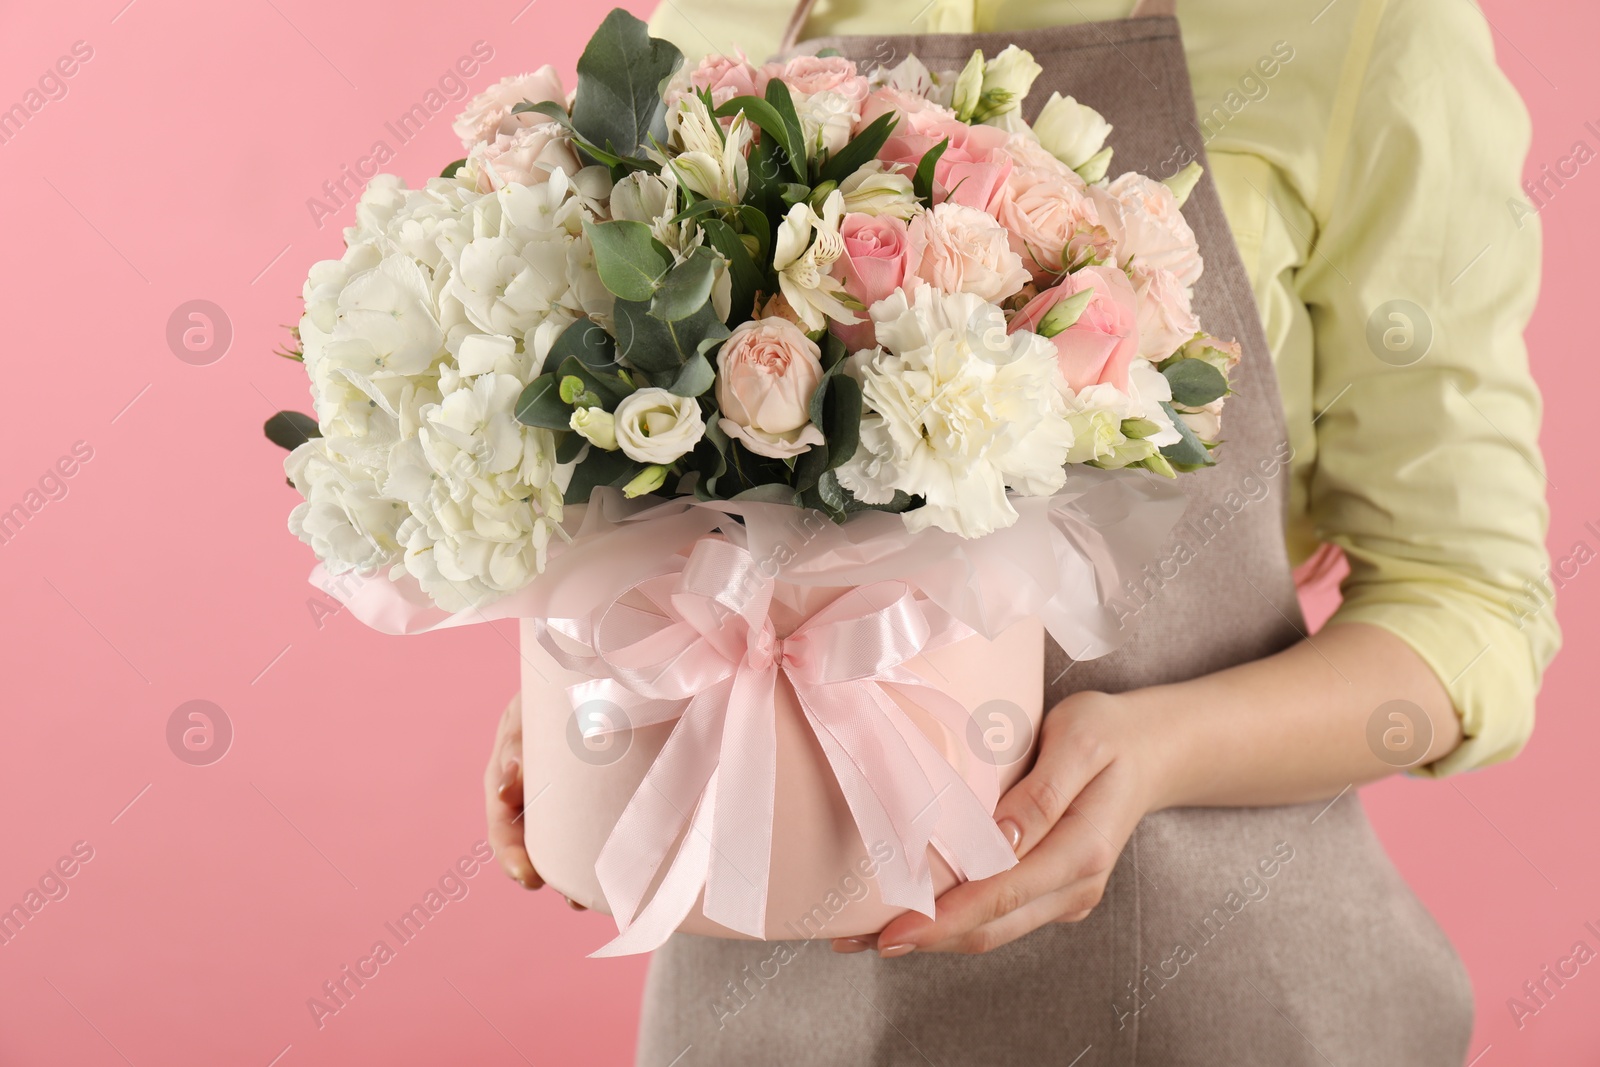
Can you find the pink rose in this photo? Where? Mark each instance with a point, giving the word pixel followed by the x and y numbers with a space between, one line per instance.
pixel 489 112
pixel 808 75
pixel 767 371
pixel 963 250
pixel 1103 343
pixel 1052 223
pixel 1166 320
pixel 1148 226
pixel 724 77
pixel 874 264
pixel 527 156
pixel 882 101
pixel 973 168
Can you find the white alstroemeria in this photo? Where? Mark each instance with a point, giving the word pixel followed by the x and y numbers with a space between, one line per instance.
pixel 875 190
pixel 1074 133
pixel 806 247
pixel 957 411
pixel 908 76
pixel 711 161
pixel 1006 81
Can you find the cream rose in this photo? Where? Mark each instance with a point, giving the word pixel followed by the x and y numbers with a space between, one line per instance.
pixel 655 426
pixel 963 250
pixel 1050 221
pixel 767 372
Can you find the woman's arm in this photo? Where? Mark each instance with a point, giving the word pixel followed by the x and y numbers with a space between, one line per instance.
pixel 1286 729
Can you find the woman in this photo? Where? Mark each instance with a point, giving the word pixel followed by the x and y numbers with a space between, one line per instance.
pixel 1198 884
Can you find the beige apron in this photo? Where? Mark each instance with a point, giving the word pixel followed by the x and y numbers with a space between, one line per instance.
pixel 1273 936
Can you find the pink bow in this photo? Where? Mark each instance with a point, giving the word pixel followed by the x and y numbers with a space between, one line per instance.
pixel 696 644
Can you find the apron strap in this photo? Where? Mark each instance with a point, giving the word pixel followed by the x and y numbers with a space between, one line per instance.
pixel 797 22
pixel 802 10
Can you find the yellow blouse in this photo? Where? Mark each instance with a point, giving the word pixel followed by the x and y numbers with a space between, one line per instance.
pixel 1372 181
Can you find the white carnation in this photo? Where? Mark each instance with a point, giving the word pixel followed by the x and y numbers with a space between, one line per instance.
pixel 958 410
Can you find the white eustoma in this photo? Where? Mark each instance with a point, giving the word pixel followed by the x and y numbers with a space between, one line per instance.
pixel 655 426
pixel 957 411
pixel 806 248
pixel 1073 132
pixel 1006 81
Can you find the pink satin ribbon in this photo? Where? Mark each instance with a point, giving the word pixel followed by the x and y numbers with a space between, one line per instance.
pixel 695 644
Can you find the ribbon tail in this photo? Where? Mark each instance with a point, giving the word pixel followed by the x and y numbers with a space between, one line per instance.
pixel 889 796
pixel 741 861
pixel 656 812
pixel 965 834
pixel 675 897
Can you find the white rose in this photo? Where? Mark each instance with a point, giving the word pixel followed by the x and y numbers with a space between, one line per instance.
pixel 655 426
pixel 1073 132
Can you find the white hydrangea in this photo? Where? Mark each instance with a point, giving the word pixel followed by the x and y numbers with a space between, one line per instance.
pixel 418 342
pixel 957 411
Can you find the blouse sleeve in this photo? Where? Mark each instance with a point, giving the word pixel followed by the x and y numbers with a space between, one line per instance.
pixel 1423 275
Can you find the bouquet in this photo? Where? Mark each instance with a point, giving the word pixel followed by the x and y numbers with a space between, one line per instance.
pixel 700 302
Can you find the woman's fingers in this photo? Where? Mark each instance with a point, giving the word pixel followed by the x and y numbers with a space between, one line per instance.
pixel 502 782
pixel 1070 756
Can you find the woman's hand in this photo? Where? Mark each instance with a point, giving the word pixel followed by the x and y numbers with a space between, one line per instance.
pixel 502 787
pixel 1288 729
pixel 1068 820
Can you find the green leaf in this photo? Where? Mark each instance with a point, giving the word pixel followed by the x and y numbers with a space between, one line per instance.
pixel 746 276
pixel 552 109
pixel 842 424
pixel 540 404
pixel 450 171
pixel 862 149
pixel 291 429
pixel 1195 383
pixel 694 378
pixel 618 105
pixel 778 96
pixel 767 117
pixel 1189 453
pixel 922 184
pixel 710 458
pixel 659 348
pixel 570 448
pixel 600 467
pixel 609 387
pixel 687 287
pixel 592 346
pixel 630 261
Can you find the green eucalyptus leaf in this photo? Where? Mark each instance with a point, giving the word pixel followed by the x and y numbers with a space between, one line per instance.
pixel 694 378
pixel 607 388
pixel 1189 453
pixel 1195 383
pixel 660 348
pixel 600 467
pixel 618 105
pixel 450 171
pixel 570 448
pixel 631 262
pixel 590 343
pixel 291 429
pixel 687 287
pixel 540 404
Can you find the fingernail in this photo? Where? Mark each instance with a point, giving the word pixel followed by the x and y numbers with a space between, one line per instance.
pixel 889 952
pixel 1013 833
pixel 521 876
pixel 848 945
pixel 574 905
pixel 508 776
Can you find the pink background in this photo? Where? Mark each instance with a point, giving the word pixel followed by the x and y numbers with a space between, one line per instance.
pixel 219 898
